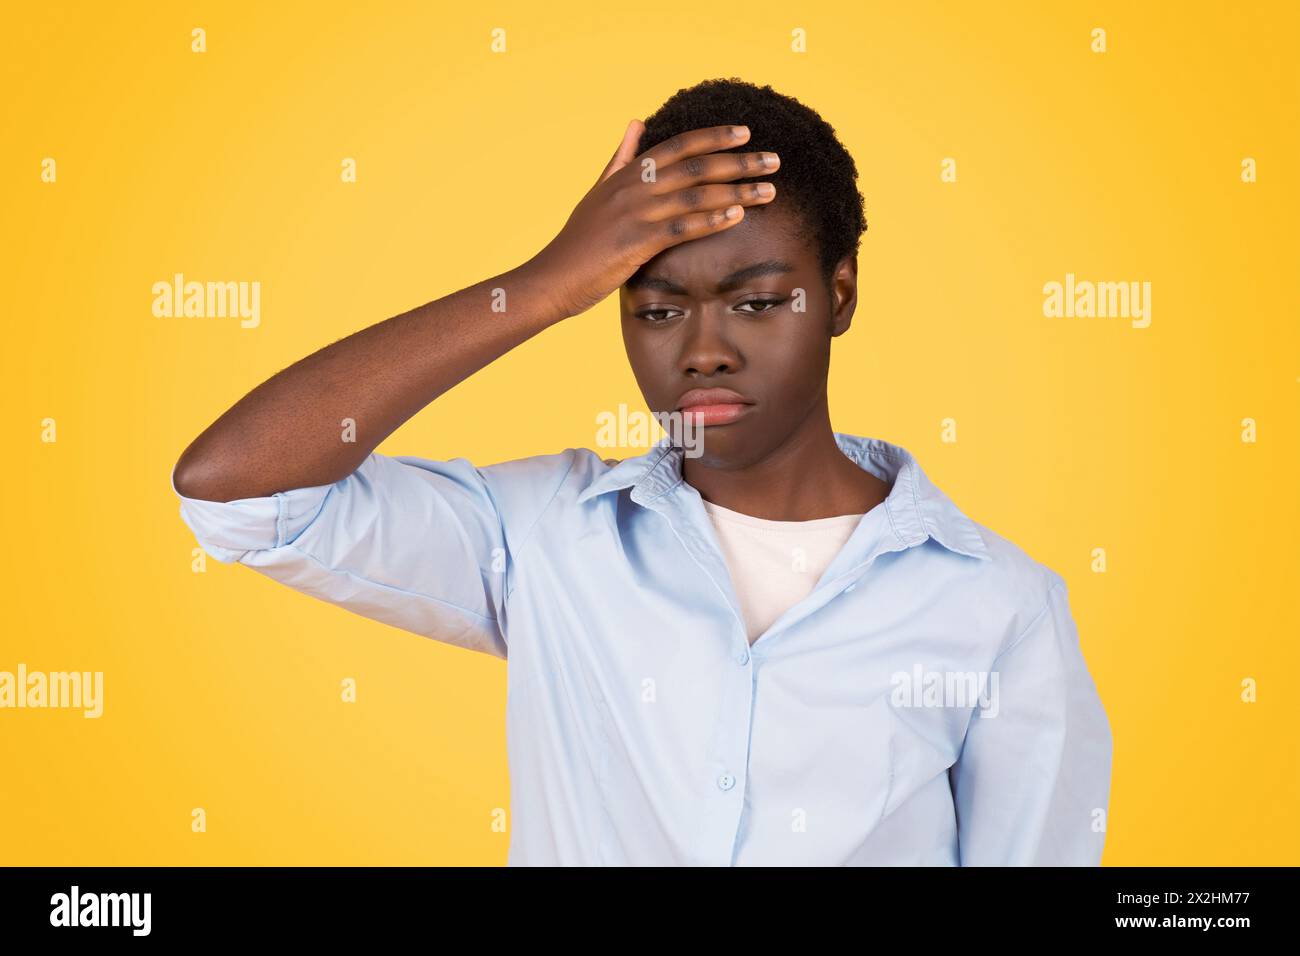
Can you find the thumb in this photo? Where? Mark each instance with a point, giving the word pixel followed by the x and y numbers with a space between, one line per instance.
pixel 626 151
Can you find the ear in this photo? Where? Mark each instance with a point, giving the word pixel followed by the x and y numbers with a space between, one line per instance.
pixel 843 294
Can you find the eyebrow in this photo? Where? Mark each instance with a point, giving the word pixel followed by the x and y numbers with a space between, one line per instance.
pixel 728 283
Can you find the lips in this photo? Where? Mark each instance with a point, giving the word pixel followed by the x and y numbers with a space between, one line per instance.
pixel 713 406
pixel 711 396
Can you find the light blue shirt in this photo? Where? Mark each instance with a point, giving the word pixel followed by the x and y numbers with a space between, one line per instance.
pixel 926 704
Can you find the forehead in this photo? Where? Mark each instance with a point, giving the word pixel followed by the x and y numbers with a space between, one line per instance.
pixel 767 233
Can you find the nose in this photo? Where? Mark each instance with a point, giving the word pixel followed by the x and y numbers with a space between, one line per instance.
pixel 707 349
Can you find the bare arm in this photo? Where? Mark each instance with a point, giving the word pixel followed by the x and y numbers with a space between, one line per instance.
pixel 288 432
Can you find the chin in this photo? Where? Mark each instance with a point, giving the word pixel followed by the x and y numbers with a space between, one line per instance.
pixel 720 446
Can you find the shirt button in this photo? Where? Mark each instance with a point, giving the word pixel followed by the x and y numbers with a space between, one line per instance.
pixel 726 782
pixel 742 657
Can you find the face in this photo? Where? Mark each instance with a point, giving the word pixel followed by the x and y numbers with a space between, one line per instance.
pixel 744 309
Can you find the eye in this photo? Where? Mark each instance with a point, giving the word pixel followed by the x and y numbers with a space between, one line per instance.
pixel 772 305
pixel 649 316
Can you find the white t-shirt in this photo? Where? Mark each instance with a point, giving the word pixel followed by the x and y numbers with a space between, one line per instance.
pixel 775 564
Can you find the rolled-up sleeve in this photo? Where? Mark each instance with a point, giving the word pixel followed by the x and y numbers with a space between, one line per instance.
pixel 1031 785
pixel 423 545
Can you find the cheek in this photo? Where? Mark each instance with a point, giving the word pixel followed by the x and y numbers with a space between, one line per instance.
pixel 650 367
pixel 795 374
pixel 634 347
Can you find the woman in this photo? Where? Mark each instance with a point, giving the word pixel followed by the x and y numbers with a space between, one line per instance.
pixel 788 648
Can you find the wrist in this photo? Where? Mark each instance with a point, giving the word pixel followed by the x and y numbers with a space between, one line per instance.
pixel 536 283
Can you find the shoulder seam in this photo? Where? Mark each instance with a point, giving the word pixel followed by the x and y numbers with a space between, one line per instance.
pixel 1030 626
pixel 528 535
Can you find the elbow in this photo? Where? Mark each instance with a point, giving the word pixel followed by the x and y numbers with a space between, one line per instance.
pixel 194 479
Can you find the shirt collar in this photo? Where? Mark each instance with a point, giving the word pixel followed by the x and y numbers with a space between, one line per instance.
pixel 917 508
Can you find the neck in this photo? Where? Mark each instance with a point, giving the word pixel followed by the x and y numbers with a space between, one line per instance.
pixel 805 477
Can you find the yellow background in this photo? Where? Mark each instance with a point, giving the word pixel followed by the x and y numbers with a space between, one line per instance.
pixel 222 688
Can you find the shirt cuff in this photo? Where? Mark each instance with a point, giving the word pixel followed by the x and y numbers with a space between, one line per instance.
pixel 229 529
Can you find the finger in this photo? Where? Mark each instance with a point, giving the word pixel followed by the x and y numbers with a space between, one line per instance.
pixel 708 198
pixel 696 225
pixel 715 168
pixel 626 151
pixel 695 142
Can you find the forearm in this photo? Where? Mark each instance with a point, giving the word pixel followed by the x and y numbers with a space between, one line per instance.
pixel 289 432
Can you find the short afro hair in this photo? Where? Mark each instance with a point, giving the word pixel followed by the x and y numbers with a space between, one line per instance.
pixel 817 177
